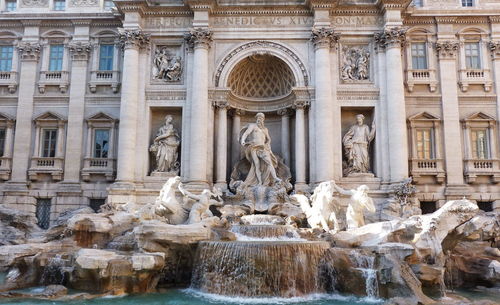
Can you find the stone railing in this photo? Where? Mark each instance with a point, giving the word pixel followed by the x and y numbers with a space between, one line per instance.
pixel 98 166
pixel 9 79
pixel 104 78
pixel 421 77
pixel 40 165
pixel 474 168
pixel 427 167
pixel 5 168
pixel 475 77
pixel 53 78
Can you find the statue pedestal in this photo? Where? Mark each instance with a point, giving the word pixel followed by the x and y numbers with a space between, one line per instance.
pixel 165 175
pixel 356 179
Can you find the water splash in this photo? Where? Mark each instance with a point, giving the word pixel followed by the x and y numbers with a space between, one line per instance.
pixel 55 271
pixel 265 233
pixel 366 264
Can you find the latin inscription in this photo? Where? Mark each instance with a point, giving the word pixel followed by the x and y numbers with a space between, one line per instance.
pixel 168 22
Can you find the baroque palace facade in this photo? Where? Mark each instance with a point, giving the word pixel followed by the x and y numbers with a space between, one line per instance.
pixel 89 89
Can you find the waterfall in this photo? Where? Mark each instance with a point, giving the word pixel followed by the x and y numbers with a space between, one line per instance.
pixel 366 264
pixel 55 271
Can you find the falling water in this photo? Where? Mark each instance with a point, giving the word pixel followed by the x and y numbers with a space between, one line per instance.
pixel 265 231
pixel 366 264
pixel 55 271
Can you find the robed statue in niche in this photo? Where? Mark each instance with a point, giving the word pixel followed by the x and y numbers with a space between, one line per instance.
pixel 165 148
pixel 356 143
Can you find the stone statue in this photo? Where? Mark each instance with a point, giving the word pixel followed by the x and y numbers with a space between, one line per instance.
pixel 200 210
pixel 358 203
pixel 322 214
pixel 166 66
pixel 165 148
pixel 356 142
pixel 167 206
pixel 260 176
pixel 355 64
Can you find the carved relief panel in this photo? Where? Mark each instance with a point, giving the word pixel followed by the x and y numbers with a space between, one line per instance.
pixel 355 63
pixel 167 64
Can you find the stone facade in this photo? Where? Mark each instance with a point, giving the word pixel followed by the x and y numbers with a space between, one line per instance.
pixel 85 86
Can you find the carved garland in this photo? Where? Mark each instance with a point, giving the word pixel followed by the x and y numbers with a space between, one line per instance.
pixel 133 38
pixel 263 44
pixel 79 50
pixel 494 48
pixel 324 37
pixel 447 49
pixel 29 51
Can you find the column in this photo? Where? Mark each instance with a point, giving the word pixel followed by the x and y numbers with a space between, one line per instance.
pixel 60 140
pixel 495 54
pixel 285 135
pixel 8 139
pixel 74 144
pixel 28 54
pixel 392 38
pixel 235 137
pixel 133 41
pixel 324 111
pixel 300 144
pixel 382 148
pixel 447 52
pixel 221 152
pixel 200 107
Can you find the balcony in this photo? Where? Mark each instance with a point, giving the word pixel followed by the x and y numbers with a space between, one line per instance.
pixel 104 78
pixel 5 168
pixel 475 77
pixel 474 168
pixel 421 77
pixel 51 166
pixel 427 167
pixel 53 78
pixel 98 166
pixel 9 79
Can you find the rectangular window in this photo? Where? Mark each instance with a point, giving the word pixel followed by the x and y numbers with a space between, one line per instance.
pixel 101 143
pixel 108 4
pixel 485 206
pixel 106 57
pixel 467 3
pixel 480 148
pixel 95 204
pixel 56 57
pixel 43 212
pixel 49 143
pixel 419 56
pixel 418 3
pixel 472 59
pixel 428 207
pixel 59 5
pixel 6 53
pixel 10 5
pixel 425 144
pixel 2 142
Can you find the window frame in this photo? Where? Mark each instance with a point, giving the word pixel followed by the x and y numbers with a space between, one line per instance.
pixel 110 59
pixel 7 9
pixel 425 56
pixel 431 141
pixel 55 7
pixel 470 65
pixel 94 142
pixel 58 61
pixel 48 145
pixel 6 60
pixel 464 3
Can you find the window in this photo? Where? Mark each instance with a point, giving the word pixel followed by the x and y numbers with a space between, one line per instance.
pixel 56 57
pixel 428 207
pixel 418 3
pixel 425 143
pixel 95 204
pixel 108 4
pixel 6 53
pixel 59 5
pixel 486 206
pixel 472 59
pixel 419 56
pixel 101 143
pixel 479 139
pixel 467 3
pixel 106 57
pixel 49 143
pixel 43 212
pixel 2 142
pixel 10 5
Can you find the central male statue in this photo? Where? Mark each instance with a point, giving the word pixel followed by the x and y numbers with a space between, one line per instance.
pixel 257 147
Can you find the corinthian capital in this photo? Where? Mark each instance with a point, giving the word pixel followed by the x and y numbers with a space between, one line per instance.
pixel 447 49
pixel 324 37
pixel 391 37
pixel 199 38
pixel 133 38
pixel 28 50
pixel 495 49
pixel 79 50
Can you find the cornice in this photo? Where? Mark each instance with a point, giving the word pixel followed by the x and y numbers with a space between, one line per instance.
pixel 393 4
pixel 322 4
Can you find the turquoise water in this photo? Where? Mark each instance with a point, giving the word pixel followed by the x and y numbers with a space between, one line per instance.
pixel 190 297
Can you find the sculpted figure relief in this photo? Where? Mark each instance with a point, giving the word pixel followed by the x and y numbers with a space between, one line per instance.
pixel 355 64
pixel 358 203
pixel 200 210
pixel 356 142
pixel 166 66
pixel 165 147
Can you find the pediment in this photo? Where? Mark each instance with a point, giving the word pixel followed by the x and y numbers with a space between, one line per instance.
pixel 480 116
pixel 423 116
pixel 6 118
pixel 101 117
pixel 49 116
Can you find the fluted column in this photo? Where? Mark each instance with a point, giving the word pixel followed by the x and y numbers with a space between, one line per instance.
pixel 495 55
pixel 201 40
pixel 133 41
pixel 79 54
pixel 221 152
pixel 392 39
pixel 235 134
pixel 29 55
pixel 300 144
pixel 324 111
pixel 447 53
pixel 285 135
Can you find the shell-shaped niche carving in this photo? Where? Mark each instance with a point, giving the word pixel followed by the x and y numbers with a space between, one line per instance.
pixel 261 76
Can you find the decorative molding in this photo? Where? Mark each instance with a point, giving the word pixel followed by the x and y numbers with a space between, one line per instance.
pixel 324 37
pixel 84 2
pixel 391 37
pixel 284 112
pixel 199 38
pixel 447 49
pixel 301 104
pixel 495 49
pixel 29 51
pixel 35 3
pixel 79 50
pixel 221 104
pixel 133 38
